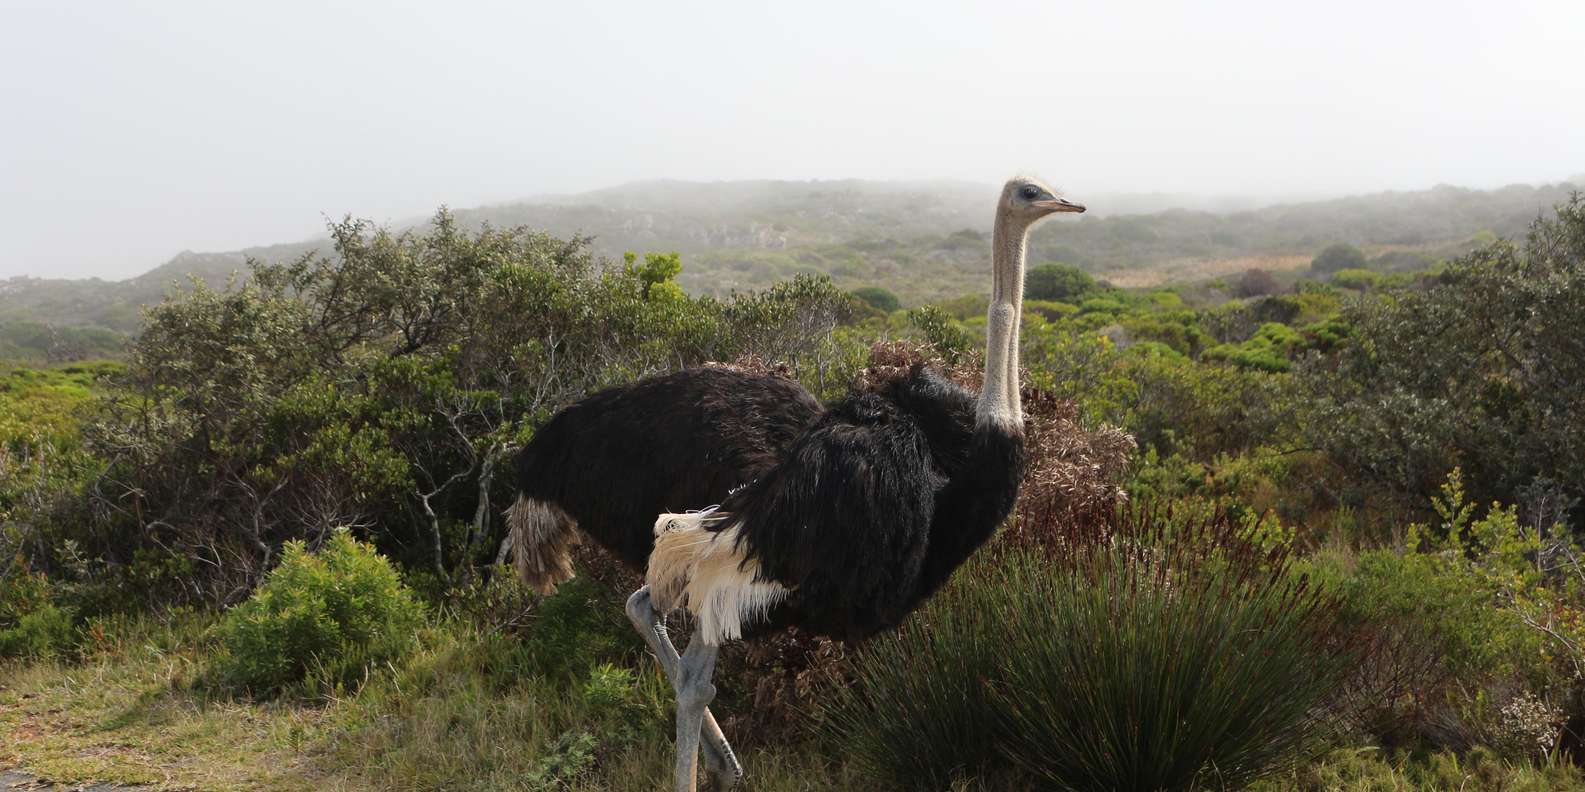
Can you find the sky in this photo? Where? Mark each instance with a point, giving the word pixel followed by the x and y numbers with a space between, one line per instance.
pixel 130 131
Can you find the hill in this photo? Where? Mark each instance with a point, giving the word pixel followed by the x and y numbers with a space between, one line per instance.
pixel 922 240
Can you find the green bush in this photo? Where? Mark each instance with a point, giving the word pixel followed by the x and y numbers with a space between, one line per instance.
pixel 1356 279
pixel 1480 367
pixel 1170 686
pixel 332 614
pixel 581 626
pixel 1473 631
pixel 1101 305
pixel 1267 350
pixel 1050 310
pixel 1432 629
pixel 880 299
pixel 1165 656
pixel 1337 257
pixel 1057 282
pixel 32 623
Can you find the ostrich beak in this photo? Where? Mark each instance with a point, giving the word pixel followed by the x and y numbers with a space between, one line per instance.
pixel 1059 205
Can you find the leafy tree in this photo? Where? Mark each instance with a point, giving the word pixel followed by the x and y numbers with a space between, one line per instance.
pixel 1058 282
pixel 384 388
pixel 1480 369
pixel 658 269
pixel 1336 257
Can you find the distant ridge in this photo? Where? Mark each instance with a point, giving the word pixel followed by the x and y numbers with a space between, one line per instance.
pixel 921 239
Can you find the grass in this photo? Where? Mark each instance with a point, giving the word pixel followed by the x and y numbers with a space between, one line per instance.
pixel 1373 770
pixel 467 710
pixel 1189 270
pixel 473 708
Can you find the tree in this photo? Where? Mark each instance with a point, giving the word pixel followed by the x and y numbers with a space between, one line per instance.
pixel 383 389
pixel 1057 282
pixel 1479 369
pixel 1336 257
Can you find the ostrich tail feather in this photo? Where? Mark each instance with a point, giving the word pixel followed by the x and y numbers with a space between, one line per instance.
pixel 542 536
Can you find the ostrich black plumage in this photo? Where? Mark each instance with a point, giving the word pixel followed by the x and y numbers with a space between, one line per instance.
pixel 840 520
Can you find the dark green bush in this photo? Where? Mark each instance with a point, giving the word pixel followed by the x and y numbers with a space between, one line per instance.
pixel 1257 282
pixel 1480 368
pixel 1356 279
pixel 1058 282
pixel 1337 257
pixel 920 713
pixel 332 615
pixel 32 623
pixel 1433 628
pixel 1161 655
pixel 579 627
pixel 880 299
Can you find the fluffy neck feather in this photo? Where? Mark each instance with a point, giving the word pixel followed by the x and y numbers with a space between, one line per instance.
pixel 1000 404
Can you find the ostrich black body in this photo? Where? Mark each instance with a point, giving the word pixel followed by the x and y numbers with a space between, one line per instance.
pixel 862 509
pixel 870 511
pixel 666 444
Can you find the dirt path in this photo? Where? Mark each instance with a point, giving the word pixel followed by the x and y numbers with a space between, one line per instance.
pixel 17 782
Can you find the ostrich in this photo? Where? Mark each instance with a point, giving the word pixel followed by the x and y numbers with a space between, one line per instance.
pixel 839 519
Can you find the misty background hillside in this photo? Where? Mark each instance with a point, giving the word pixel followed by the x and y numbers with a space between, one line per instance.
pixel 923 240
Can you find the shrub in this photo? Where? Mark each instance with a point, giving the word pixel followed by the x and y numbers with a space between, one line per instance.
pixel 1058 282
pixel 1267 350
pixel 32 623
pixel 1106 305
pixel 1474 631
pixel 1257 282
pixel 880 299
pixel 1356 279
pixel 1193 669
pixel 1431 626
pixel 1480 368
pixel 335 614
pixel 579 627
pixel 1337 257
pixel 1162 654
pixel 948 337
pixel 1050 310
pixel 920 714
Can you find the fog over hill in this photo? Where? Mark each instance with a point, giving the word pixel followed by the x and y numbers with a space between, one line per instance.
pixel 924 240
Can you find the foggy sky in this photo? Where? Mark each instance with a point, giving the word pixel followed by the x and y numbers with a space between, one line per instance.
pixel 132 130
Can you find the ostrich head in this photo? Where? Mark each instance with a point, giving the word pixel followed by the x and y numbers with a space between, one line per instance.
pixel 1028 199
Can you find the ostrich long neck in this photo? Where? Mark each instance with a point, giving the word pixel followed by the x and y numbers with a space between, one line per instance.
pixel 999 400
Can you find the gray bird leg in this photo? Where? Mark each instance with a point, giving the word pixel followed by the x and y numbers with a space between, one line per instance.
pixel 719 760
pixel 694 692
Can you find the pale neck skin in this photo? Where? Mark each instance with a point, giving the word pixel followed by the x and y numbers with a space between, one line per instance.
pixel 1000 404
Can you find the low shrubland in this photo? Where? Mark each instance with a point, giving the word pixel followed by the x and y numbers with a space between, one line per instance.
pixel 260 552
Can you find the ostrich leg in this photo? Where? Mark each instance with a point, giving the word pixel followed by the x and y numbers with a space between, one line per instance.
pixel 694 692
pixel 719 760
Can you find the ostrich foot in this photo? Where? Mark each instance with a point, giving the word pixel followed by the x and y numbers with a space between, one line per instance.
pixel 694 692
pixel 716 753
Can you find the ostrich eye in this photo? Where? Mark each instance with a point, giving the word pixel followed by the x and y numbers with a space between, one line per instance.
pixel 1030 192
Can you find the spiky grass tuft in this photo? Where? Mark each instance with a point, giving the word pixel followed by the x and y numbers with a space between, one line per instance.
pixel 1158 654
